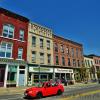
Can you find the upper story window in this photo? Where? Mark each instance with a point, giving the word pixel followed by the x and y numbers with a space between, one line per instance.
pixel 74 62
pixel 33 56
pixel 63 61
pixel 78 63
pixel 69 63
pixel 6 50
pixel 57 60
pixel 21 35
pixel 67 50
pixel 56 47
pixel 33 41
pixel 8 30
pixel 48 44
pixel 20 53
pixel 76 52
pixel 62 48
pixel 49 58
pixel 41 58
pixel 72 52
pixel 41 43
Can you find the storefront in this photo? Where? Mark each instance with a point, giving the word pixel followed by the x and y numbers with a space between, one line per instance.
pixel 13 73
pixel 2 74
pixel 64 73
pixel 41 74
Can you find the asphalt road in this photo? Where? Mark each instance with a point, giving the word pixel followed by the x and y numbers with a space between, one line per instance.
pixel 69 91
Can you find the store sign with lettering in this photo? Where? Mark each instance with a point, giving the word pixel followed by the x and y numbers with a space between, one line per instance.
pixel 59 70
pixel 41 69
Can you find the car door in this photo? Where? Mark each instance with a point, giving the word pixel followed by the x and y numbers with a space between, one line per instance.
pixel 48 89
pixel 54 89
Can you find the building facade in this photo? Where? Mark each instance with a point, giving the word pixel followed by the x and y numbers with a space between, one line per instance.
pixel 40 53
pixel 90 69
pixel 68 58
pixel 13 49
pixel 96 60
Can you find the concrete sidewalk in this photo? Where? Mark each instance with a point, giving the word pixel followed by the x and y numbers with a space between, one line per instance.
pixel 20 90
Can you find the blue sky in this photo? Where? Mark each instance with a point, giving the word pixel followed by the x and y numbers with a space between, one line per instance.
pixel 78 20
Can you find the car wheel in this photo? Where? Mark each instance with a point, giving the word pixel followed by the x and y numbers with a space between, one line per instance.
pixel 59 92
pixel 39 95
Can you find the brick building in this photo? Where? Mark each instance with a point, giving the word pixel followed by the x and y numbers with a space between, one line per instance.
pixel 68 58
pixel 13 48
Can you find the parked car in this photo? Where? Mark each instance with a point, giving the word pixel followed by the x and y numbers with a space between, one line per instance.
pixel 44 89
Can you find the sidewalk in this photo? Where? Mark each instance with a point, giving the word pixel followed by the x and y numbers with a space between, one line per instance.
pixel 12 90
pixel 20 90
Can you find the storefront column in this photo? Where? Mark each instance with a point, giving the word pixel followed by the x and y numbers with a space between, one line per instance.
pixel 26 75
pixel 6 74
pixel 73 77
pixel 17 81
pixel 53 73
pixel 32 76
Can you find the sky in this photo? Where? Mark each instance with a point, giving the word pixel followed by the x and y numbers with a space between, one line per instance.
pixel 77 20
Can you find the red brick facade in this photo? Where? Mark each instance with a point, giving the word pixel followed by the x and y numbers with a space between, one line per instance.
pixel 19 22
pixel 67 52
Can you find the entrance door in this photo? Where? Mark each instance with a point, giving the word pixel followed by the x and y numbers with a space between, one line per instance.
pixel 21 77
pixel 2 74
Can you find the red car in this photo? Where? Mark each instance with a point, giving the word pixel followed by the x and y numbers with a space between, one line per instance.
pixel 45 89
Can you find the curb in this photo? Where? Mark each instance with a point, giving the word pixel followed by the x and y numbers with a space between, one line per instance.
pixel 80 95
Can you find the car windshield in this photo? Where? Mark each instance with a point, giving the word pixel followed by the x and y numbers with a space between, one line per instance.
pixel 39 84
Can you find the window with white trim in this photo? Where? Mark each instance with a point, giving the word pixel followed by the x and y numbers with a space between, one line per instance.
pixel 20 53
pixel 33 41
pixel 48 44
pixel 8 30
pixel 21 35
pixel 41 58
pixel 33 56
pixel 41 43
pixel 49 58
pixel 6 50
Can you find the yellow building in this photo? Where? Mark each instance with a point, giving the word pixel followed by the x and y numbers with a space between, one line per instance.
pixel 39 53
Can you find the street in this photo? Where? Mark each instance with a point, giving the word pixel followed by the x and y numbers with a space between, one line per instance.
pixel 70 91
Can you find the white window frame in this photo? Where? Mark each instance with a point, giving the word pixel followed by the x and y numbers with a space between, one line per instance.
pixel 41 58
pixel 48 44
pixel 6 49
pixel 21 37
pixel 34 45
pixel 8 30
pixel 21 54
pixel 34 58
